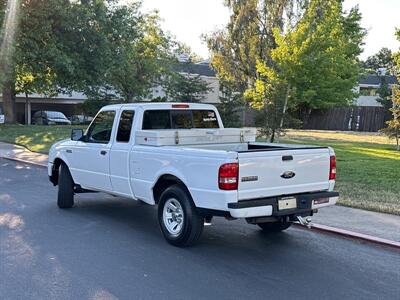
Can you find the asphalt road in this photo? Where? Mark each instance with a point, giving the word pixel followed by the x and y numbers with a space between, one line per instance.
pixel 112 248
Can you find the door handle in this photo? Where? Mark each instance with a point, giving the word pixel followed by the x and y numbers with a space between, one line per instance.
pixel 103 152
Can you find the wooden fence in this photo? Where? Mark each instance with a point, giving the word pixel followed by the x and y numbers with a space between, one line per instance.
pixel 357 118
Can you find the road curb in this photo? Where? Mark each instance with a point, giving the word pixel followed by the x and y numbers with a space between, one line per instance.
pixel 25 161
pixel 353 235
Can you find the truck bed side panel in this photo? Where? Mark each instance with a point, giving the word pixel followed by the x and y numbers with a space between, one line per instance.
pixel 197 169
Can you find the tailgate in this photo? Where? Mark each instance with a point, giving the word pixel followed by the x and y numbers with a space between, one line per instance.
pixel 283 172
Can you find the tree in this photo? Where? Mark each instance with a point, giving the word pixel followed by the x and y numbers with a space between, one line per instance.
pixel 51 46
pixel 384 92
pixel 141 52
pixel 318 58
pixel 92 106
pixel 289 55
pixel 393 126
pixel 99 47
pixel 396 56
pixel 185 87
pixel 230 103
pixel 382 59
pixel 247 39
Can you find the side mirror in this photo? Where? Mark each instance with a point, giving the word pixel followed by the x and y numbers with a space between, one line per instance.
pixel 76 134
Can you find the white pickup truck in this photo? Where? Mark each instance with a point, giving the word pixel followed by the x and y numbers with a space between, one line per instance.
pixel 180 157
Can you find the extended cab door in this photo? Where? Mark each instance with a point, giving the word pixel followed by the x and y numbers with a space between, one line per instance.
pixel 119 154
pixel 90 163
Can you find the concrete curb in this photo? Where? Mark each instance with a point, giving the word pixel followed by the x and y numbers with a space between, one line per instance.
pixel 25 161
pixel 353 235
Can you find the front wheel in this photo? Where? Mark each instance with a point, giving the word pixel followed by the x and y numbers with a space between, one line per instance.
pixel 179 220
pixel 274 226
pixel 65 197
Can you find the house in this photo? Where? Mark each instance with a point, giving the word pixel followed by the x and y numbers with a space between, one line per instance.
pixel 368 89
pixel 202 69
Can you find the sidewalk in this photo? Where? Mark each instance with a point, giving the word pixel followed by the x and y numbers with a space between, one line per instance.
pixel 361 221
pixel 21 153
pixel 380 225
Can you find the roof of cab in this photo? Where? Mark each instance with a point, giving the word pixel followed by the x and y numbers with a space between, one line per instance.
pixel 159 105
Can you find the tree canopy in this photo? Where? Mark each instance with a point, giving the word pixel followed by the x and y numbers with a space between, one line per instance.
pixel 393 126
pixel 298 55
pixel 58 45
pixel 383 59
pixel 102 48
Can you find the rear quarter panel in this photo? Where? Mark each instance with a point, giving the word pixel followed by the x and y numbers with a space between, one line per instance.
pixel 197 169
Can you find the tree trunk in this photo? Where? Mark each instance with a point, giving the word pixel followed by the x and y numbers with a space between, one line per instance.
pixel 306 116
pixel 272 138
pixel 130 98
pixel 9 106
pixel 285 105
pixel 26 108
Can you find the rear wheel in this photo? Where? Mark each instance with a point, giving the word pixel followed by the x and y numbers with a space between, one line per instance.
pixel 274 226
pixel 179 220
pixel 65 197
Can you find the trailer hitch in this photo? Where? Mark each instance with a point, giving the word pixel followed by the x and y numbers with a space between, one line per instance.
pixel 304 221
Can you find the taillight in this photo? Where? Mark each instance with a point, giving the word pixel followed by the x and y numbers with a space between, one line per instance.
pixel 228 176
pixel 332 170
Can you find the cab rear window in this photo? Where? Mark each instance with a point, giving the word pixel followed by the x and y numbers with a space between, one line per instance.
pixel 179 119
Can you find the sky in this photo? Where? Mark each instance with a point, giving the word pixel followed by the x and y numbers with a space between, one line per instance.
pixel 187 20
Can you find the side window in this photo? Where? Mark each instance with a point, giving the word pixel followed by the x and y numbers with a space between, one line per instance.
pixel 125 126
pixel 205 119
pixel 156 119
pixel 101 127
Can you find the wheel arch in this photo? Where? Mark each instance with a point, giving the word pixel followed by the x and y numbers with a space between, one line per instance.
pixel 55 170
pixel 165 181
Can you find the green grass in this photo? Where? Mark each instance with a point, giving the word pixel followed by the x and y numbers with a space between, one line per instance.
pixel 368 172
pixel 36 138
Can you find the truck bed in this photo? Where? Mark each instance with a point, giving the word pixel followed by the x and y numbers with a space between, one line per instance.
pixel 267 169
pixel 252 147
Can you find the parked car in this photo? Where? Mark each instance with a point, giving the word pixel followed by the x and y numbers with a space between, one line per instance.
pixel 180 157
pixel 80 119
pixel 47 117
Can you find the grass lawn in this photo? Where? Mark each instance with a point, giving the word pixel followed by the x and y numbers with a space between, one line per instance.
pixel 367 164
pixel 36 138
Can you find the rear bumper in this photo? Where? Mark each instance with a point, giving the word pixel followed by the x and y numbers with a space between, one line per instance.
pixel 305 204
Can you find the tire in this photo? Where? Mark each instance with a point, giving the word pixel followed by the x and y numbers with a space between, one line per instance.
pixel 65 197
pixel 183 225
pixel 274 226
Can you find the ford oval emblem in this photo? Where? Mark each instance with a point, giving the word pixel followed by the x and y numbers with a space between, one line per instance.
pixel 288 174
